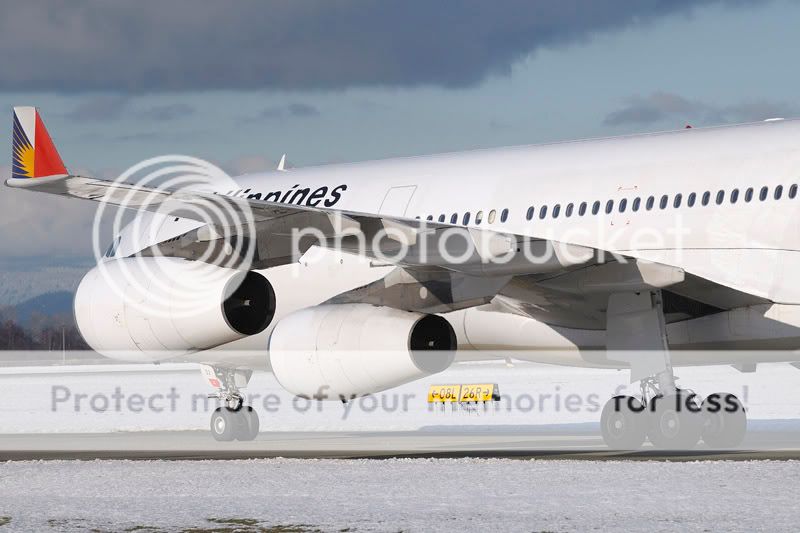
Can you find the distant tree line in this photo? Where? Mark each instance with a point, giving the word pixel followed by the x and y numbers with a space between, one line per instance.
pixel 41 332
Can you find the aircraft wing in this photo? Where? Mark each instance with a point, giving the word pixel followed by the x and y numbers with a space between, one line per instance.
pixel 420 249
pixel 426 277
pixel 280 233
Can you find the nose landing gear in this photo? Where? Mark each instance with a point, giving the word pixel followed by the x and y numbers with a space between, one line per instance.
pixel 233 420
pixel 228 425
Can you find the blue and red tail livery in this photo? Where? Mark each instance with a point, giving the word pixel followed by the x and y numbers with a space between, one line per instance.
pixel 34 154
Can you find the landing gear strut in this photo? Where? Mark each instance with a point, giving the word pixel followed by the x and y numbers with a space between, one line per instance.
pixel 233 420
pixel 671 418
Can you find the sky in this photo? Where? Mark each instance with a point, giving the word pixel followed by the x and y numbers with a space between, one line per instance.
pixel 346 80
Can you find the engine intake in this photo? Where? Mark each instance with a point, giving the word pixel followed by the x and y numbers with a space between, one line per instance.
pixel 336 351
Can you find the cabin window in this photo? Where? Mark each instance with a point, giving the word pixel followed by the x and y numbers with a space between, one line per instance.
pixel 454 218
pixel 637 202
pixel 778 192
pixel 504 215
pixel 748 195
pixel 595 208
pixel 466 218
pixel 706 198
pixel 543 212
pixel 734 196
pixel 650 203
pixel 582 209
pixel 430 218
pixel 609 206
pixel 441 218
pixel 793 192
pixel 623 204
pixel 556 210
pixel 677 202
pixel 763 194
pixel 568 210
pixel 691 199
pixel 529 214
pixel 664 202
pixel 479 217
pixel 720 197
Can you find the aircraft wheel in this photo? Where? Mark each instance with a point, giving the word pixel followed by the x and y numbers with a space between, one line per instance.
pixel 223 424
pixel 623 423
pixel 675 421
pixel 247 424
pixel 724 421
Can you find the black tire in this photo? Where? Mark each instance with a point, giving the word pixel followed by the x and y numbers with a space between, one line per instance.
pixel 223 424
pixel 724 421
pixel 675 421
pixel 623 423
pixel 247 426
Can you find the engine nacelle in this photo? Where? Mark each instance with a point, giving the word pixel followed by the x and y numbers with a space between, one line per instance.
pixel 336 351
pixel 144 309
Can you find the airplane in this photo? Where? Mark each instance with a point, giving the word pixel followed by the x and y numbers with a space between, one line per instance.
pixel 641 252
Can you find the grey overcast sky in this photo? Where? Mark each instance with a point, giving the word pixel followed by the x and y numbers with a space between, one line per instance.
pixel 325 81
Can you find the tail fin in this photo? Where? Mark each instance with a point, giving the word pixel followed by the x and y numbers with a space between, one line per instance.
pixel 34 154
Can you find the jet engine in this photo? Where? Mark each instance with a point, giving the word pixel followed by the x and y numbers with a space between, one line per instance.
pixel 145 309
pixel 341 351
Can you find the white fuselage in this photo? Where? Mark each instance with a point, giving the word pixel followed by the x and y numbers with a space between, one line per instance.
pixel 751 245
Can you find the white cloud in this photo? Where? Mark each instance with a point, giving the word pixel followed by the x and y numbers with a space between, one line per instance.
pixel 663 106
pixel 37 225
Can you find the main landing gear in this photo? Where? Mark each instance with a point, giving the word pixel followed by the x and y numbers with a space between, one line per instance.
pixel 674 421
pixel 671 418
pixel 233 420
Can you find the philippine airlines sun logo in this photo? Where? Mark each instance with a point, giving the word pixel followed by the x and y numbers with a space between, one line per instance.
pixel 23 156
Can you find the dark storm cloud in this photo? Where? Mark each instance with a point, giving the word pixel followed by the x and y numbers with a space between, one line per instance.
pixel 185 44
pixel 101 107
pixel 293 110
pixel 105 107
pixel 302 110
pixel 663 106
pixel 167 112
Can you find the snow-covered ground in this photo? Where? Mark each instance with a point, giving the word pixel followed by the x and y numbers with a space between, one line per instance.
pixel 399 495
pixel 173 397
pixel 380 495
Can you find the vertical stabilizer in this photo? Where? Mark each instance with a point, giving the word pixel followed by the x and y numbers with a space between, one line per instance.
pixel 33 153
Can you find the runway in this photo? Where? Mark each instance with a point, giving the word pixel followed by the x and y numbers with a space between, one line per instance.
pixel 577 441
pixel 74 413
